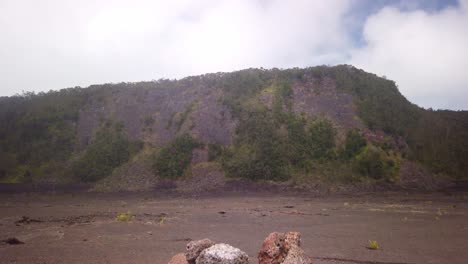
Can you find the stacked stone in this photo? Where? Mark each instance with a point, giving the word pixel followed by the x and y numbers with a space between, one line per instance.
pixel 277 248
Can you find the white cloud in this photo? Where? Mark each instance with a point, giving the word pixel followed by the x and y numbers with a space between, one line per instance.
pixel 425 53
pixel 57 43
pixel 51 44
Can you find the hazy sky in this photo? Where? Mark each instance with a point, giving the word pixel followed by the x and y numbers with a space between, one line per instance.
pixel 53 44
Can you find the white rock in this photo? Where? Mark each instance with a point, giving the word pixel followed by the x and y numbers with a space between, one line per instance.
pixel 222 254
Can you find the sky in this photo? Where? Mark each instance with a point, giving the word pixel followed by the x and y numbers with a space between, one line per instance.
pixel 53 44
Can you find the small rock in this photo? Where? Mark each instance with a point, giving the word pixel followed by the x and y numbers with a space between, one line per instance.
pixel 178 259
pixel 12 241
pixel 194 248
pixel 222 254
pixel 149 233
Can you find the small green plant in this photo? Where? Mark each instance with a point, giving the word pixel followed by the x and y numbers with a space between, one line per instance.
pixel 162 220
pixel 373 245
pixel 125 217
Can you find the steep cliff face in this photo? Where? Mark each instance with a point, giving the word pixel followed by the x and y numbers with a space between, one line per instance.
pixel 157 114
pixel 255 123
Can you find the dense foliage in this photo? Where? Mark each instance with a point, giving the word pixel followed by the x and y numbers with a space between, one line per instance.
pixel 270 142
pixel 110 149
pixel 173 160
pixel 38 132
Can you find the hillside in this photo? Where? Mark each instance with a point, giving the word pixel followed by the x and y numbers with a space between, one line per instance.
pixel 303 126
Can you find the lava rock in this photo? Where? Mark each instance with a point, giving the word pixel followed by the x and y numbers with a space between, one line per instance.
pixel 273 249
pixel 194 248
pixel 292 238
pixel 283 248
pixel 12 241
pixel 178 259
pixel 296 256
pixel 222 254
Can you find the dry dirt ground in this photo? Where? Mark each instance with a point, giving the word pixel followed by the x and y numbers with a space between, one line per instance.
pixel 82 228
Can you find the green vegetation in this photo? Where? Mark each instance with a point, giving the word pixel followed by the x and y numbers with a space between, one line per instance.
pixel 353 144
pixel 373 245
pixel 37 133
pixel 270 143
pixel 39 137
pixel 258 152
pixel 174 159
pixel 110 149
pixel 180 118
pixel 372 162
pixel 124 217
pixel 214 152
pixel 275 143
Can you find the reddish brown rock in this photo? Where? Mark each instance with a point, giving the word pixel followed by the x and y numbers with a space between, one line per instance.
pixel 283 248
pixel 178 259
pixel 273 249
pixel 194 248
pixel 292 238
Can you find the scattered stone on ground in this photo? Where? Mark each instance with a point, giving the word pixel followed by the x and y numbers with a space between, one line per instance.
pixel 222 254
pixel 12 241
pixel 194 248
pixel 26 220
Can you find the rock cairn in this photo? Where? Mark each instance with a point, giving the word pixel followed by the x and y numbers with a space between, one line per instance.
pixel 277 248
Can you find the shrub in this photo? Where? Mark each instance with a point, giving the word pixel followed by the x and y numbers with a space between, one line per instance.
pixel 214 151
pixel 173 159
pixel 372 162
pixel 353 144
pixel 373 245
pixel 259 151
pixel 321 138
pixel 110 149
pixel 255 163
pixel 125 217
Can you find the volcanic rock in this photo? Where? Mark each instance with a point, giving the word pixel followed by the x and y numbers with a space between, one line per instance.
pixel 222 254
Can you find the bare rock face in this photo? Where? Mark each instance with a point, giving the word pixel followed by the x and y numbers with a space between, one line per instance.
pixel 222 254
pixel 273 249
pixel 178 259
pixel 194 248
pixel 283 248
